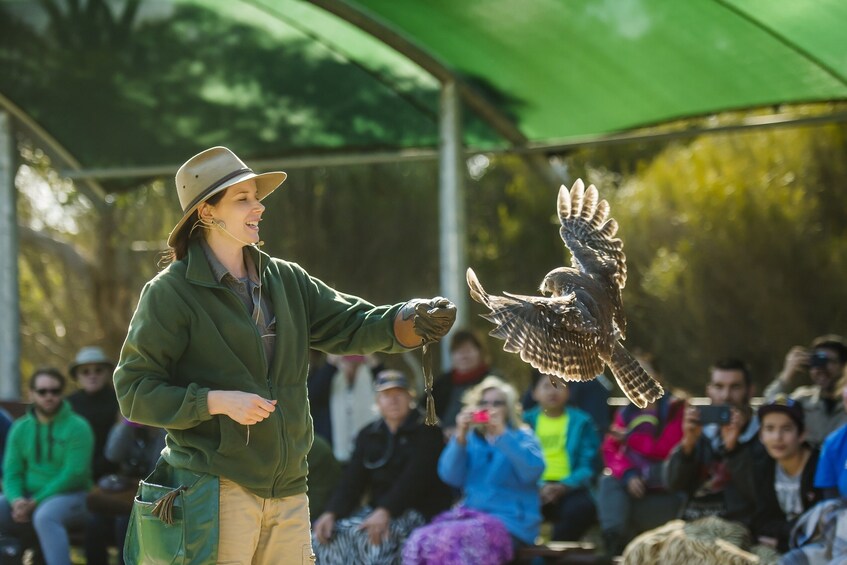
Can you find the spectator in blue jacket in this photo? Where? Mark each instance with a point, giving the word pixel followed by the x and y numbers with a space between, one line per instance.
pixel 496 461
pixel 570 444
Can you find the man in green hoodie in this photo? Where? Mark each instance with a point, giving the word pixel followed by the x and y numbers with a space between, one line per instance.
pixel 47 469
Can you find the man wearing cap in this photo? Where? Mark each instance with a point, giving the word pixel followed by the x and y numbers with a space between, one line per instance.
pixel 394 465
pixel 217 353
pixel 824 364
pixel 785 475
pixel 95 401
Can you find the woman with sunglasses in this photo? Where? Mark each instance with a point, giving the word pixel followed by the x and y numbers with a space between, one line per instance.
pixel 394 466
pixel 496 462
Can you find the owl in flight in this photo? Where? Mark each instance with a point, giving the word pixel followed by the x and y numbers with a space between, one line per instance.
pixel 577 327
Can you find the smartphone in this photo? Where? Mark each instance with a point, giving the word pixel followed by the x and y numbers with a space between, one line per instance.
pixel 714 414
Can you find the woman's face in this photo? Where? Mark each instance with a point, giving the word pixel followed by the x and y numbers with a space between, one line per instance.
pixel 495 401
pixel 466 357
pixel 236 215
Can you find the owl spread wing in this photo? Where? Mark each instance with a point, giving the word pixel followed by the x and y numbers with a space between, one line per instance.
pixel 557 336
pixel 589 234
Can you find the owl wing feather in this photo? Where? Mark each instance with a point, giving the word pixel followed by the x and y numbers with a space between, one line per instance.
pixel 555 335
pixel 589 234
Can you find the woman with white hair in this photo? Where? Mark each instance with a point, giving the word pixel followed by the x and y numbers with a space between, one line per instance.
pixel 496 461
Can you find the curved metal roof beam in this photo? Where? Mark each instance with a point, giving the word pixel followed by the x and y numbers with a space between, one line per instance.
pixel 91 188
pixel 805 53
pixel 482 107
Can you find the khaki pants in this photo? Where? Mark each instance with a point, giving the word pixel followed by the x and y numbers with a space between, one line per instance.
pixel 263 531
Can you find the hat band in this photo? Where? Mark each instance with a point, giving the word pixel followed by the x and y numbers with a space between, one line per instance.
pixel 200 197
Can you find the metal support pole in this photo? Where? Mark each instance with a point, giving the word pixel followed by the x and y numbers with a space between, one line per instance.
pixel 10 337
pixel 451 201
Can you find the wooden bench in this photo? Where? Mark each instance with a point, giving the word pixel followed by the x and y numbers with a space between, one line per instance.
pixel 562 553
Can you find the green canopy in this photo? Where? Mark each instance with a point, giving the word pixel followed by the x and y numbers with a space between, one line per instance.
pixel 146 83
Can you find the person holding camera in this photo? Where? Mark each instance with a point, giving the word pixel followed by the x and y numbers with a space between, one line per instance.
pixel 823 362
pixel 496 461
pixel 712 463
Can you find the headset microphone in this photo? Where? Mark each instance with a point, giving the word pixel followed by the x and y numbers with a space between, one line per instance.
pixel 222 226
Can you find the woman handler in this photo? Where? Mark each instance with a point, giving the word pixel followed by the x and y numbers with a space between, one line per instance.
pixel 217 354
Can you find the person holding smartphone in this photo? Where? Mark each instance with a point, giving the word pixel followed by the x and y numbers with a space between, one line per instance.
pixel 823 364
pixel 712 463
pixel 496 461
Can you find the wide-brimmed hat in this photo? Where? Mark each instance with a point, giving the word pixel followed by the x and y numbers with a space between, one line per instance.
pixel 211 171
pixel 88 356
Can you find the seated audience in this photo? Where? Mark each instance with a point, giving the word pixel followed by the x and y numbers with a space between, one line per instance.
pixel 95 401
pixel 468 367
pixel 570 444
pixel 394 467
pixel 785 474
pixel 633 496
pixel 824 364
pixel 711 464
pixel 135 449
pixel 496 461
pixel 47 470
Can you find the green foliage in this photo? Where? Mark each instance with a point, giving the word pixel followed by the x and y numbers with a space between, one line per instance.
pixel 736 247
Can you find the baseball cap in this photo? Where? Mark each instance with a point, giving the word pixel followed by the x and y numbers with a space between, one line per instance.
pixel 390 379
pixel 786 405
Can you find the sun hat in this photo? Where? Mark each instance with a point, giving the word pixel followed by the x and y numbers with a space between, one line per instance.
pixel 210 172
pixel 390 379
pixel 785 405
pixel 88 356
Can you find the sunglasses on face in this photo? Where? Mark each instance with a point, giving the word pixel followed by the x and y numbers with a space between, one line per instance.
pixel 494 403
pixel 46 391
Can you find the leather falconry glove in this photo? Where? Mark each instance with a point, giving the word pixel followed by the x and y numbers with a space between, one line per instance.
pixel 432 318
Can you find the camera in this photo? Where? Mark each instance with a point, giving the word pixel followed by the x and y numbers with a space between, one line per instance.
pixel 818 359
pixel 480 417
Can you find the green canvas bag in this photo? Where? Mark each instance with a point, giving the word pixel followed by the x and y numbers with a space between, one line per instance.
pixel 174 519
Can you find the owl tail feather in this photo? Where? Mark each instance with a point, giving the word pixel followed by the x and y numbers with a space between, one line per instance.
pixel 639 387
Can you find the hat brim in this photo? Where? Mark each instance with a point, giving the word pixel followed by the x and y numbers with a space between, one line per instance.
pixel 389 387
pixel 74 366
pixel 265 184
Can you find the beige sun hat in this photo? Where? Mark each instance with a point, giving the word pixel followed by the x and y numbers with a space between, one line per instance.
pixel 91 355
pixel 212 171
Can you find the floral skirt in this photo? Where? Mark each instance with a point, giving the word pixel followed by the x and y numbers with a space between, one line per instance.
pixel 460 536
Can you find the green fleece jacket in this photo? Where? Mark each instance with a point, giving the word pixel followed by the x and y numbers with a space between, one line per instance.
pixel 190 335
pixel 46 459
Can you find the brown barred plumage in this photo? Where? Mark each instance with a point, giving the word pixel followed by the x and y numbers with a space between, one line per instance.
pixel 576 330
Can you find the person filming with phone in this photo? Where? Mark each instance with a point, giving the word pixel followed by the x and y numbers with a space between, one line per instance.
pixel 711 465
pixel 823 365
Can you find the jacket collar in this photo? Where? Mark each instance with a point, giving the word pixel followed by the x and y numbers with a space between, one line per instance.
pixel 199 270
